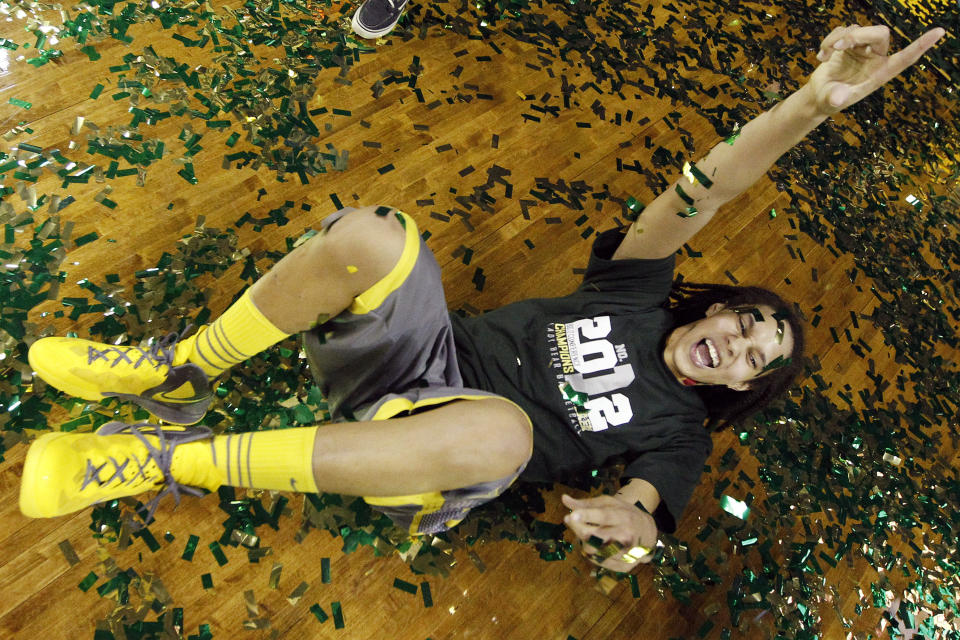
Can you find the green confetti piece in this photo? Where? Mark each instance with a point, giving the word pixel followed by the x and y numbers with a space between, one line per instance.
pixel 705 629
pixel 88 582
pixel 700 176
pixel 86 239
pixel 338 622
pixel 780 361
pixel 148 539
pixel 319 613
pixel 735 507
pixel 190 548
pixel 403 585
pixel 23 104
pixel 91 52
pixel 303 414
pixel 207 581
pixel 218 553
pixel 232 139
pixel 427 595
pixel 325 570
pixel 683 195
pixel 574 396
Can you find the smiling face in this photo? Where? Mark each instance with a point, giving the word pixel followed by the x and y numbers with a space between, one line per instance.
pixel 729 347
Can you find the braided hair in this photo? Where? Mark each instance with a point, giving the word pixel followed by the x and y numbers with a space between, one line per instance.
pixel 689 301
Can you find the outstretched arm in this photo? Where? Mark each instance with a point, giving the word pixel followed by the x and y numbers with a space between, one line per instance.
pixel 853 64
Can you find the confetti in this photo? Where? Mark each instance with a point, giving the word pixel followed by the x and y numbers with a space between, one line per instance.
pixel 337 612
pixel 402 585
pixel 735 507
pixel 68 553
pixel 319 613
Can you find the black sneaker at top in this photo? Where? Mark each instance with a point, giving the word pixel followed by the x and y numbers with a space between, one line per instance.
pixel 377 18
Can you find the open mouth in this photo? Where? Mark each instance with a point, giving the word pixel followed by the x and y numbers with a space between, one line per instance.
pixel 704 354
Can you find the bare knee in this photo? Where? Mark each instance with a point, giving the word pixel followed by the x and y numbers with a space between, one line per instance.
pixel 366 243
pixel 321 277
pixel 504 429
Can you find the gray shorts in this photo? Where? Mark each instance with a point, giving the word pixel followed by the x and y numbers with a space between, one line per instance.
pixel 392 353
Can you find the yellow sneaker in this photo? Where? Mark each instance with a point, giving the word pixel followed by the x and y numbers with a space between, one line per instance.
pixel 67 472
pixel 179 394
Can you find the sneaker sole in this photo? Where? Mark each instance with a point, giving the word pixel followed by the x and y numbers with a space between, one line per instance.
pixel 369 35
pixel 34 483
pixel 187 414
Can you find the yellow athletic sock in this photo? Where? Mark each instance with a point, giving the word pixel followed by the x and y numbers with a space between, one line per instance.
pixel 281 460
pixel 242 331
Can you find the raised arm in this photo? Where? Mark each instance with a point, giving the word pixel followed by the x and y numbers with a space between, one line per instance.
pixel 853 64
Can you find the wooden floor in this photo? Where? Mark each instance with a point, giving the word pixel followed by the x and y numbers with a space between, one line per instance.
pixel 470 118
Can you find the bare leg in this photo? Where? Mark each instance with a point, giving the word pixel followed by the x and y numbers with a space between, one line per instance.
pixel 456 445
pixel 321 277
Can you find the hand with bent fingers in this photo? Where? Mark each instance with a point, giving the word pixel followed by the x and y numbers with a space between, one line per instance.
pixel 628 534
pixel 854 63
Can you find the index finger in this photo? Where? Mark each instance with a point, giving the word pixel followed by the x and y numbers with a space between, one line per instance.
pixel 912 52
pixel 594 516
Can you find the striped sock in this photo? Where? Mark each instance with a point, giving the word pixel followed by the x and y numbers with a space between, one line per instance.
pixel 242 331
pixel 279 460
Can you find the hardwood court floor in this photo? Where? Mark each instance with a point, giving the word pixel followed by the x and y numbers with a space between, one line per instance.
pixel 471 120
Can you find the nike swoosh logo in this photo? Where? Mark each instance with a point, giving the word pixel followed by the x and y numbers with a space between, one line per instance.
pixel 163 396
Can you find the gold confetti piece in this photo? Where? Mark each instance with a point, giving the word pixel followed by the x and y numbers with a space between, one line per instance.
pixel 275 575
pixel 351 268
pixel 297 593
pixel 67 550
pixel 250 600
pixel 246 539
pixel 607 584
pixel 477 562
pixel 256 623
pixel 635 553
pixel 159 590
pixel 892 459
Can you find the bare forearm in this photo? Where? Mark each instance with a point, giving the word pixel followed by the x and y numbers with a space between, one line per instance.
pixel 637 490
pixel 733 167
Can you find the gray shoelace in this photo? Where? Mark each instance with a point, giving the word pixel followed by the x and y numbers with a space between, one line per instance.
pixel 161 352
pixel 168 440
